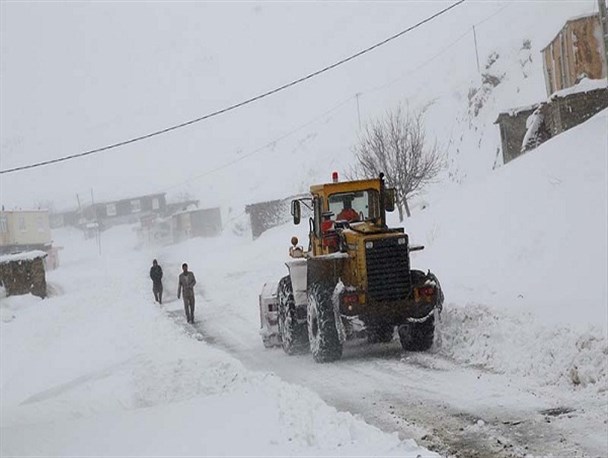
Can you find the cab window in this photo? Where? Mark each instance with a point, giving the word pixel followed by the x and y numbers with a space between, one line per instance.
pixel 317 216
pixel 363 203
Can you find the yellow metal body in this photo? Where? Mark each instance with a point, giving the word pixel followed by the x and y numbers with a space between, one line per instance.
pixel 352 239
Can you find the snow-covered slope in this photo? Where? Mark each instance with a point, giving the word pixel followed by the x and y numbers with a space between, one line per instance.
pixel 188 59
pixel 528 242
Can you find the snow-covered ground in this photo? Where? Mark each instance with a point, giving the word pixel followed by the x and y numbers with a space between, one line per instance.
pixel 99 369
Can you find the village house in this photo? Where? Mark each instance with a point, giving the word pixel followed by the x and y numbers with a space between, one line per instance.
pixel 27 230
pixel 576 52
pixel 23 230
pixel 204 222
pixel 575 77
pixel 125 211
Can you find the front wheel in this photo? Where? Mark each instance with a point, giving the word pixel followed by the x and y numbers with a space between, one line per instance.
pixel 323 335
pixel 417 336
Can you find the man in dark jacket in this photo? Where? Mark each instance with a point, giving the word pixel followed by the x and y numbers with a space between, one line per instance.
pixel 156 274
pixel 185 287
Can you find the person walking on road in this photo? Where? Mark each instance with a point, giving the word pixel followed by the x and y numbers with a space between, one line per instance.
pixel 185 288
pixel 156 274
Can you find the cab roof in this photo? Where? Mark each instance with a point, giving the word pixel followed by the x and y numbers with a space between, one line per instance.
pixel 345 186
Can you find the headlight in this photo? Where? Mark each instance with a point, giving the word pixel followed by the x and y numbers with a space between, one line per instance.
pixel 401 241
pixel 369 245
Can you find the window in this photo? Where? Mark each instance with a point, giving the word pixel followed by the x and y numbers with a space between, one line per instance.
pixel 40 224
pixel 365 203
pixel 111 209
pixel 3 225
pixel 155 203
pixel 316 204
pixel 135 206
pixel 22 226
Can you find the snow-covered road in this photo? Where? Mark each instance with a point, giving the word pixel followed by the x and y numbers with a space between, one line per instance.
pixel 448 406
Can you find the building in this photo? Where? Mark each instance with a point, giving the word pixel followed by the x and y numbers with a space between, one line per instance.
pixel 125 211
pixel 24 230
pixel 577 51
pixel 205 222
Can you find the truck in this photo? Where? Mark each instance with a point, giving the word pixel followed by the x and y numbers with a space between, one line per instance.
pixel 354 280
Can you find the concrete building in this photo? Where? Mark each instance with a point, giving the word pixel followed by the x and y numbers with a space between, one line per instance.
pixel 23 230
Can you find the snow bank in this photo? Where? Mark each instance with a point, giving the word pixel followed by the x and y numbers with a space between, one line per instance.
pixel 529 244
pixel 99 369
pixel 519 345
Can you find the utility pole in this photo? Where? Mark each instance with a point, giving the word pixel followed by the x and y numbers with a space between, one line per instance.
pixel 98 231
pixel 358 109
pixel 604 24
pixel 476 51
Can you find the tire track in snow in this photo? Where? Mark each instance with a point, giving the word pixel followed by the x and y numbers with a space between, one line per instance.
pixel 411 394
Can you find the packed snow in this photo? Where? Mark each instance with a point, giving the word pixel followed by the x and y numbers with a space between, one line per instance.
pixel 99 369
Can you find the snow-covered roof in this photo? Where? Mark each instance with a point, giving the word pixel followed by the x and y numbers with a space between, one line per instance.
pixel 25 256
pixel 585 85
pixel 515 111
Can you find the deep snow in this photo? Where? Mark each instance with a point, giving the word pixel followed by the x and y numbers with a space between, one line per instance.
pixel 99 369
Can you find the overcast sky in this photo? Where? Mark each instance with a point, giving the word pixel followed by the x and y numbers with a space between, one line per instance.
pixel 80 75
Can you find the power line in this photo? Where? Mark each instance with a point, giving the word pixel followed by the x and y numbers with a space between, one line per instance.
pixel 265 146
pixel 237 105
pixel 432 58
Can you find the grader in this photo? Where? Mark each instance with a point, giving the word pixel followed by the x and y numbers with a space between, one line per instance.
pixel 353 280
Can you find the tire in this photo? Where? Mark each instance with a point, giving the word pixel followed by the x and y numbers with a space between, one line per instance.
pixel 417 336
pixel 294 335
pixel 380 333
pixel 325 344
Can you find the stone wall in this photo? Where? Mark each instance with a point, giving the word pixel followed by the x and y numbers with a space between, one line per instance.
pixel 24 277
pixel 265 215
pixel 512 131
pixel 559 114
pixel 563 113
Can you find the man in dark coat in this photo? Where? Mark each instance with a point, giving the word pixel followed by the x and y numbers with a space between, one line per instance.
pixel 156 274
pixel 185 287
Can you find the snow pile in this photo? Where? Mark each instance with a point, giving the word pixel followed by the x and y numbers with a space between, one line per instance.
pixel 529 243
pixel 25 256
pixel 519 345
pixel 101 370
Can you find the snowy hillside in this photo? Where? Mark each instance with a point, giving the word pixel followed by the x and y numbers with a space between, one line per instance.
pixel 529 242
pixel 280 145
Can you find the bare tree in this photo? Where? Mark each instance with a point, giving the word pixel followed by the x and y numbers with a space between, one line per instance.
pixel 397 146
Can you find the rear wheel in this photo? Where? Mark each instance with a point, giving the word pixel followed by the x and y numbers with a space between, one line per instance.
pixel 294 335
pixel 417 336
pixel 325 344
